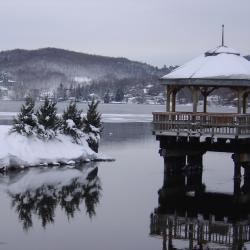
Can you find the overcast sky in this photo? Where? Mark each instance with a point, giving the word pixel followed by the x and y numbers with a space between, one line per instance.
pixel 154 31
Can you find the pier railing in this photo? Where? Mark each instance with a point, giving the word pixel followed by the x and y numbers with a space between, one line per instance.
pixel 211 124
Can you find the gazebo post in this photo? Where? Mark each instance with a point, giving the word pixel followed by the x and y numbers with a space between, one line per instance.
pixel 240 100
pixel 168 94
pixel 194 91
pixel 174 92
pixel 244 102
pixel 205 103
pixel 205 93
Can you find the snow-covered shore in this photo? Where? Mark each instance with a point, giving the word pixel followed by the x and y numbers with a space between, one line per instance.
pixel 18 151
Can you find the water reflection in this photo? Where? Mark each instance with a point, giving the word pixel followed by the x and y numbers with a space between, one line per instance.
pixel 189 217
pixel 38 193
pixel 125 132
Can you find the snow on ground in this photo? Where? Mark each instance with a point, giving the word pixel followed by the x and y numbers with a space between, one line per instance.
pixel 19 151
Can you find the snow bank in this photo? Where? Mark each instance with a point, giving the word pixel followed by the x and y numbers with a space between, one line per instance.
pixel 17 151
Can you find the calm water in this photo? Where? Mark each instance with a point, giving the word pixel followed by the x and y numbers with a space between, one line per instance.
pixel 85 209
pixel 14 106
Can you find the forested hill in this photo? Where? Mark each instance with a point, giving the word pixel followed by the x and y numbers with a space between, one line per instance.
pixel 48 67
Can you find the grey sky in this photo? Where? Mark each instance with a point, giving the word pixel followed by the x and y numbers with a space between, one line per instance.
pixel 153 31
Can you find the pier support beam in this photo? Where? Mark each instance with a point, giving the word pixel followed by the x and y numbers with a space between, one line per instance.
pixel 173 166
pixel 194 161
pixel 195 169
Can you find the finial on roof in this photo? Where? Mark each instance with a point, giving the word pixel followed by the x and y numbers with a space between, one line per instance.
pixel 222 40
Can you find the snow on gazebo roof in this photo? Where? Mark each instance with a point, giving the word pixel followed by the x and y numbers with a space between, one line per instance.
pixel 212 68
pixel 222 66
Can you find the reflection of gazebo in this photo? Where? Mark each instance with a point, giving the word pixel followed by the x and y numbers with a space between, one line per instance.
pixel 220 67
pixel 188 215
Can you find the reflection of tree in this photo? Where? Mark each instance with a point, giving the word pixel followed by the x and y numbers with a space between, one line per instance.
pixel 43 200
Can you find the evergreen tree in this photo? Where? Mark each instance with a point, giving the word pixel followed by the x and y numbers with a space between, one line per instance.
pixel 72 122
pixel 26 121
pixel 119 95
pixel 106 97
pixel 48 121
pixel 93 125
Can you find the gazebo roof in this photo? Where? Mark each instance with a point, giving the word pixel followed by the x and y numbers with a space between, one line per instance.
pixel 222 66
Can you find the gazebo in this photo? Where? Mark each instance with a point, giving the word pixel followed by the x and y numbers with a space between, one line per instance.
pixel 216 68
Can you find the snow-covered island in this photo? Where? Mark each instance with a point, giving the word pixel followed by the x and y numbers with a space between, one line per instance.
pixel 43 138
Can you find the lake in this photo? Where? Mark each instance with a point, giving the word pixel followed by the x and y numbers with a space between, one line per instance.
pixel 104 205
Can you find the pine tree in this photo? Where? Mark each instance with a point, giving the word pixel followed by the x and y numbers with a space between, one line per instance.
pixel 119 95
pixel 72 122
pixel 106 97
pixel 48 121
pixel 93 125
pixel 26 121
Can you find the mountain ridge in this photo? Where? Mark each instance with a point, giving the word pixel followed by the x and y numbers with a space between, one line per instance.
pixel 48 67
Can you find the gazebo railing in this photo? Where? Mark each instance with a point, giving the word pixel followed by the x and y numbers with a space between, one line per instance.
pixel 202 123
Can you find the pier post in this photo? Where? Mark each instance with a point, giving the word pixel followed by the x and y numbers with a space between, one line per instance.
pixel 195 161
pixel 173 167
